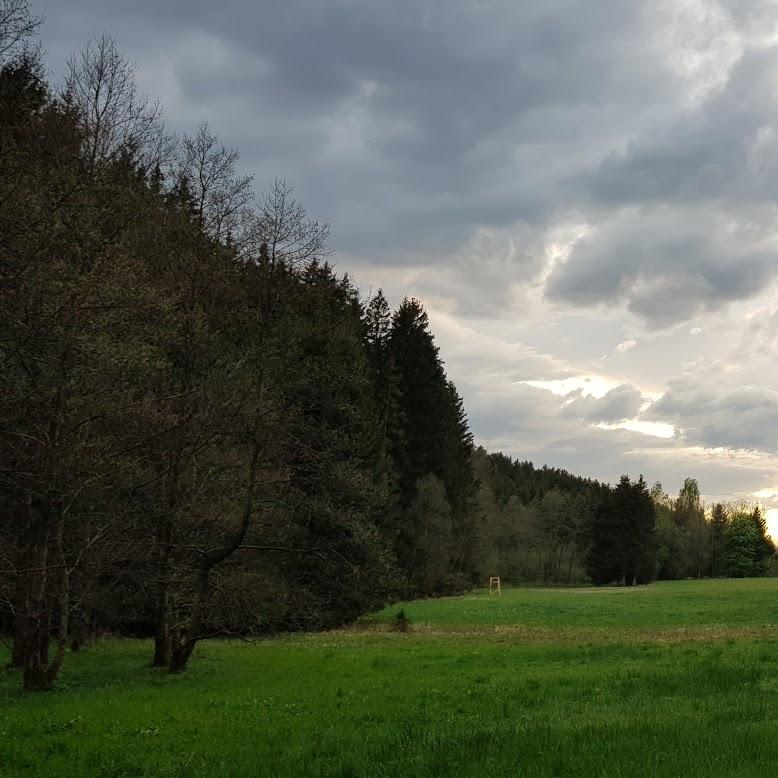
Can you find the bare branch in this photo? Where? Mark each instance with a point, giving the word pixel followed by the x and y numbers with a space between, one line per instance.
pixel 206 172
pixel 117 120
pixel 17 26
pixel 283 227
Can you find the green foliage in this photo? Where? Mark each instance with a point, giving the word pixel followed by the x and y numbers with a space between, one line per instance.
pixel 429 523
pixel 730 540
pixel 718 538
pixel 689 515
pixel 623 530
pixel 532 522
pixel 746 548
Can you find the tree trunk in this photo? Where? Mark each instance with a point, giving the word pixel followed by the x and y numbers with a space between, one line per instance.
pixel 33 645
pixel 183 646
pixel 39 673
pixel 180 655
pixel 44 642
pixel 22 627
pixel 163 638
pixel 36 678
pixel 36 668
pixel 21 637
pixel 162 645
pixel 79 631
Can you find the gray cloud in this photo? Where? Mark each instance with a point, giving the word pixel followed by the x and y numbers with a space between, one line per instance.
pixel 723 147
pixel 553 177
pixel 423 121
pixel 734 417
pixel 415 127
pixel 698 229
pixel 667 264
pixel 623 402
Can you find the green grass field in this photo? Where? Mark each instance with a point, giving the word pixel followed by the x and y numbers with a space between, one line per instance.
pixel 669 680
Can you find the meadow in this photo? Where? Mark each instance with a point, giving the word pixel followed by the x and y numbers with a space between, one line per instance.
pixel 672 679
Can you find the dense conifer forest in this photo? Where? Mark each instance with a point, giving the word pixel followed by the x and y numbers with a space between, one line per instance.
pixel 205 430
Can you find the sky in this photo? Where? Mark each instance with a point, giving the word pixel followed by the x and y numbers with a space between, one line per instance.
pixel 583 193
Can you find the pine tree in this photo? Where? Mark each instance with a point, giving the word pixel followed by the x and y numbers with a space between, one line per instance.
pixel 377 324
pixel 435 439
pixel 378 327
pixel 765 548
pixel 623 546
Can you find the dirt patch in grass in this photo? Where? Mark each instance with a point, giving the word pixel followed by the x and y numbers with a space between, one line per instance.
pixel 536 635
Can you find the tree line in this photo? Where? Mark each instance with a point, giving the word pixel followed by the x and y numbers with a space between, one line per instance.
pixel 548 526
pixel 204 430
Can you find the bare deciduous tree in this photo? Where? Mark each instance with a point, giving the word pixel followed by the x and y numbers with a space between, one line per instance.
pixel 17 25
pixel 118 120
pixel 283 226
pixel 222 199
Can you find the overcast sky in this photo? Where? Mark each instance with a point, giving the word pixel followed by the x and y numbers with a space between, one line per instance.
pixel 583 193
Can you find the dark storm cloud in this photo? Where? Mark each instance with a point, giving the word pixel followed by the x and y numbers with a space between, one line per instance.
pixel 406 124
pixel 514 164
pixel 412 126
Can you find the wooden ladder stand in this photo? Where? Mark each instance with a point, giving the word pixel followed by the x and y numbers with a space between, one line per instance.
pixel 494 586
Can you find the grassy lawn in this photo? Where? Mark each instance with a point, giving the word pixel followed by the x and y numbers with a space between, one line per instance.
pixel 674 679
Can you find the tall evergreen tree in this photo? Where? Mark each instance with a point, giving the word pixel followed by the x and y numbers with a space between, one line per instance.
pixel 377 325
pixel 435 437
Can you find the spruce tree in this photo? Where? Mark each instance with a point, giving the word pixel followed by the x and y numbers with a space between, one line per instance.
pixel 377 328
pixel 435 439
pixel 623 547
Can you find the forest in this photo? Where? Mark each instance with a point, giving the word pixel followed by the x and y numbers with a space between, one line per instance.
pixel 207 431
